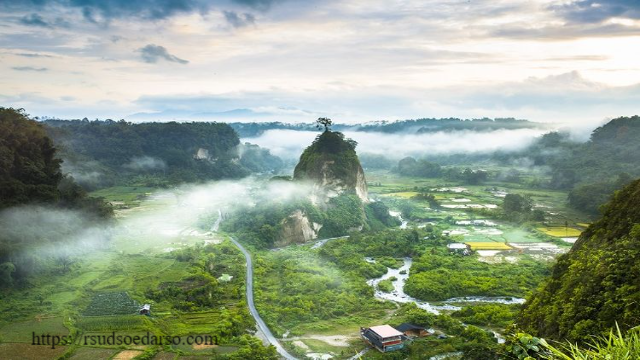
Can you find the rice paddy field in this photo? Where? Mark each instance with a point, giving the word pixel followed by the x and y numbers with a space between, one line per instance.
pixel 488 246
pixel 103 291
pixel 470 214
pixel 560 231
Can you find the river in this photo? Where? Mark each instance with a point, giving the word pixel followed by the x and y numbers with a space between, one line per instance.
pixel 398 295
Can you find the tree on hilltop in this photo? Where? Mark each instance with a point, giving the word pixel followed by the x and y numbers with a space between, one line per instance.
pixel 324 122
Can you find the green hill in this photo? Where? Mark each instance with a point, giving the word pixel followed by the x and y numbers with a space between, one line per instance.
pixel 597 283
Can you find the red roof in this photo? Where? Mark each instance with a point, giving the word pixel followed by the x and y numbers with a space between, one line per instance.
pixel 385 331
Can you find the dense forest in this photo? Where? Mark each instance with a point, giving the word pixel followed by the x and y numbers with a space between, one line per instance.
pixel 595 285
pixel 30 175
pixel 105 153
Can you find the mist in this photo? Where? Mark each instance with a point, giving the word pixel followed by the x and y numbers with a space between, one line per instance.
pixel 145 163
pixel 46 233
pixel 165 221
pixel 290 143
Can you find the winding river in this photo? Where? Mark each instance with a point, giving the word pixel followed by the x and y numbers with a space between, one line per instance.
pixel 398 295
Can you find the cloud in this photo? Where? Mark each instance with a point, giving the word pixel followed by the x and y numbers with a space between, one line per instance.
pixel 152 53
pixel 597 11
pixel 238 21
pixel 29 68
pixel 34 55
pixel 38 21
pixel 102 12
pixel 34 20
pixel 256 4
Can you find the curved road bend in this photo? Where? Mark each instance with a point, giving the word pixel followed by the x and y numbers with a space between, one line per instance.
pixel 252 308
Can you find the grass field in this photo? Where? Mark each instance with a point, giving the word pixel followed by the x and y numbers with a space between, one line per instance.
pixel 23 331
pixel 21 351
pixel 124 195
pixel 86 353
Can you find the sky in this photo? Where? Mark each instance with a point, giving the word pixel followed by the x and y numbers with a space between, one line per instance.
pixel 573 62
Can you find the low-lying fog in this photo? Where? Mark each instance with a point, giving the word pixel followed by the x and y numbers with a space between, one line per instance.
pixel 167 219
pixel 289 144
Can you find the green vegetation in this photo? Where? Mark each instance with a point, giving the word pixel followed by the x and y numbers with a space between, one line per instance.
pixel 296 288
pixel 386 285
pixel 596 283
pixel 111 303
pixel 412 167
pixel 615 345
pixel 496 316
pixel 60 209
pixel 101 154
pixel 333 150
pixel 438 275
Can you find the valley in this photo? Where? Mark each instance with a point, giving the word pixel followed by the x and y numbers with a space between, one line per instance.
pixel 295 266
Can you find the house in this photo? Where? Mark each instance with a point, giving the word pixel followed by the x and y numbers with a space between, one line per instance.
pixel 411 330
pixel 145 310
pixel 383 337
pixel 459 248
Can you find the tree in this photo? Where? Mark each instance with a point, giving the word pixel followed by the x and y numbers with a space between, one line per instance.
pixel 324 122
pixel 517 203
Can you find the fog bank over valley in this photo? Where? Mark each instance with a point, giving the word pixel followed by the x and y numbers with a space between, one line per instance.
pixel 290 143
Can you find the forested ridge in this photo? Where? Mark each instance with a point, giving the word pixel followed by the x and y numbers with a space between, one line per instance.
pixel 596 285
pixel 39 206
pixel 592 170
pixel 105 153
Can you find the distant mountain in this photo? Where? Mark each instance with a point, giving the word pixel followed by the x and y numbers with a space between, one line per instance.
pixel 596 285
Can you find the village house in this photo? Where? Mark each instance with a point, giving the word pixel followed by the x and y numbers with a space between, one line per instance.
pixel 383 337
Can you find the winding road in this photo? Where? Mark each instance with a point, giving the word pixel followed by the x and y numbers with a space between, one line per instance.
pixel 252 308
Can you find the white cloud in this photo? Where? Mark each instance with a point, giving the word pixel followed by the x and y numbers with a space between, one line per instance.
pixel 354 60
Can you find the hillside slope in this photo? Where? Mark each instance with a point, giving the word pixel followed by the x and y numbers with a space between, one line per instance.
pixel 597 283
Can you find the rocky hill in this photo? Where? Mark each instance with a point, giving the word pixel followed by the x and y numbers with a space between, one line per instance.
pixel 597 283
pixel 332 165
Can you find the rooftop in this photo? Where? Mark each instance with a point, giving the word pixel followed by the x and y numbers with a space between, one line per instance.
pixel 385 331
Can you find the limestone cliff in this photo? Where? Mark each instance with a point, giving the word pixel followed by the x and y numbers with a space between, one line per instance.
pixel 332 165
pixel 297 228
pixel 339 190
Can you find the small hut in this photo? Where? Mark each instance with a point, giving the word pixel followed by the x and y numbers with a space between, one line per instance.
pixel 145 310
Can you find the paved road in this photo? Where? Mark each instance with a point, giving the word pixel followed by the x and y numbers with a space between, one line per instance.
pixel 252 308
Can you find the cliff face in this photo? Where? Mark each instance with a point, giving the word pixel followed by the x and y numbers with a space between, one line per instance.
pixel 297 229
pixel 332 165
pixel 339 190
pixel 596 285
